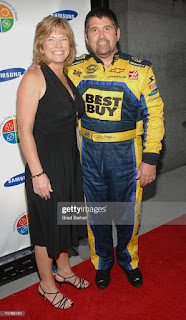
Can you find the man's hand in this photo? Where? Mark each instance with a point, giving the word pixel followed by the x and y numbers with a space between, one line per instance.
pixel 146 173
pixel 34 67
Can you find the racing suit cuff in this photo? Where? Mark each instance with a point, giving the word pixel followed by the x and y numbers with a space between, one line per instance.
pixel 150 158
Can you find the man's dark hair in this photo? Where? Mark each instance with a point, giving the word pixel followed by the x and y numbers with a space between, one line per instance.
pixel 100 13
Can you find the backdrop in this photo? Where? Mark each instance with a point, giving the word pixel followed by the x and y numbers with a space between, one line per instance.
pixel 18 19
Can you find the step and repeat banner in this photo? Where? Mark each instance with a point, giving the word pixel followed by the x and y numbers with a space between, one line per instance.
pixel 18 19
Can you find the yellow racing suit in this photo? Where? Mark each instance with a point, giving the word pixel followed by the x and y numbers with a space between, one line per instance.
pixel 122 102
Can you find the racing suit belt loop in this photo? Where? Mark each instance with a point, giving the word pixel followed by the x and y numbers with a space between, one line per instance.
pixel 108 137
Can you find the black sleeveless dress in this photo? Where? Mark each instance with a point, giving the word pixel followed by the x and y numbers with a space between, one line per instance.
pixel 55 136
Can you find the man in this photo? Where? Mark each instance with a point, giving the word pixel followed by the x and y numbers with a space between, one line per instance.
pixel 119 90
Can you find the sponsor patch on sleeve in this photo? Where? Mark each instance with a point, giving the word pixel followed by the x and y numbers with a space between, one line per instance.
pixel 153 86
pixel 153 92
pixel 133 75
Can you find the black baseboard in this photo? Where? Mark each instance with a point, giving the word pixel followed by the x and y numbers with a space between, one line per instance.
pixel 17 265
pixel 20 264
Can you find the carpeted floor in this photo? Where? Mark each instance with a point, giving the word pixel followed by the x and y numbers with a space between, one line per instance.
pixel 163 264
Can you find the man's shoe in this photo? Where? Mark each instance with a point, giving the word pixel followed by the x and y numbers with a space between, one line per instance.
pixel 134 277
pixel 102 278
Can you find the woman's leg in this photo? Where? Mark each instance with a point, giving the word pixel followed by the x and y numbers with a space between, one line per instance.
pixel 67 275
pixel 47 282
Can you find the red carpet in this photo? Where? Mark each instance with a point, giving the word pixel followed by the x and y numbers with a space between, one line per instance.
pixel 163 263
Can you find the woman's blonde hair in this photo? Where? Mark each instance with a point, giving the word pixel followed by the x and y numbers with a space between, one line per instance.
pixel 43 30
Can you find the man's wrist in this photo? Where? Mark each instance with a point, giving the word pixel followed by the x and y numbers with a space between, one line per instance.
pixel 150 158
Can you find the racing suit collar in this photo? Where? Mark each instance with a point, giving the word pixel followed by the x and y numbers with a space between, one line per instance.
pixel 98 60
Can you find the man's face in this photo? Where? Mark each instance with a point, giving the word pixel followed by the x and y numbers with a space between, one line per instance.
pixel 102 37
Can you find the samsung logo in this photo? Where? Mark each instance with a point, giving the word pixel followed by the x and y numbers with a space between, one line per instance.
pixel 65 14
pixel 153 92
pixel 10 74
pixel 20 178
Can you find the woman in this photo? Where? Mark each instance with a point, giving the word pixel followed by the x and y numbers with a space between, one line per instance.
pixel 47 108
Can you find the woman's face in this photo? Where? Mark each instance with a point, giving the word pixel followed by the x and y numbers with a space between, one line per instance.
pixel 56 47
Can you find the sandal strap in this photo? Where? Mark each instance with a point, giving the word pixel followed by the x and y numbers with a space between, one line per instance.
pixel 60 303
pixel 55 297
pixel 74 275
pixel 80 284
pixel 44 292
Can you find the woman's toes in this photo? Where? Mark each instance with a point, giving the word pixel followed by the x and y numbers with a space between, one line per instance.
pixel 68 304
pixel 87 284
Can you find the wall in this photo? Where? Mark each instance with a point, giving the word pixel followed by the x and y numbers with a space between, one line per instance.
pixel 156 31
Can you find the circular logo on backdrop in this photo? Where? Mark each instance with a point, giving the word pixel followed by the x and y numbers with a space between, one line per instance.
pixel 7 16
pixel 9 131
pixel 23 225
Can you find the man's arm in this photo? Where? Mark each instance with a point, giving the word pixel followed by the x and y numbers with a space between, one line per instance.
pixel 152 110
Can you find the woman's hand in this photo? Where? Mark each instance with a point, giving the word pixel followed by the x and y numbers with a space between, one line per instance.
pixel 42 186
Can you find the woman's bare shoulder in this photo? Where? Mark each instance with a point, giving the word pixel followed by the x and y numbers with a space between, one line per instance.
pixel 32 79
pixel 33 74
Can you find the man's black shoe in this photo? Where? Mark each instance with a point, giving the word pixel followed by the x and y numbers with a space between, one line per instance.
pixel 134 277
pixel 102 278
